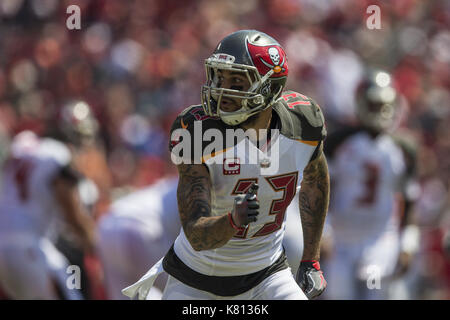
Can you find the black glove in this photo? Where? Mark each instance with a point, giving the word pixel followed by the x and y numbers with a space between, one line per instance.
pixel 310 279
pixel 245 208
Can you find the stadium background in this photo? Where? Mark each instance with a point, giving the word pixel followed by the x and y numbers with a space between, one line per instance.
pixel 138 63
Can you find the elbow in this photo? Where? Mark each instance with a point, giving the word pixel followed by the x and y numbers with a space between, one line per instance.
pixel 196 245
pixel 202 246
pixel 197 248
pixel 194 240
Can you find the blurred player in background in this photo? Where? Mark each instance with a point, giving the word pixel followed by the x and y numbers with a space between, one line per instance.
pixel 372 234
pixel 78 127
pixel 39 184
pixel 137 231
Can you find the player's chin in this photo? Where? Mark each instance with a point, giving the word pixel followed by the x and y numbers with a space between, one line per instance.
pixel 229 105
pixel 250 121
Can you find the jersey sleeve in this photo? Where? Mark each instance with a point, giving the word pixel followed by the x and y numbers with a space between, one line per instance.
pixel 337 138
pixel 302 118
pixel 188 144
pixel 409 185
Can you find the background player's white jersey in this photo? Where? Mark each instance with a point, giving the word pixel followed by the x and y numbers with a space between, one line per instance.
pixel 365 175
pixel 26 201
pixel 137 231
pixel 260 244
pixel 30 266
pixel 155 207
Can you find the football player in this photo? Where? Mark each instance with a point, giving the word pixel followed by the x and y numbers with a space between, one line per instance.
pixel 138 229
pixel 38 185
pixel 369 174
pixel 232 205
pixel 141 227
pixel 78 128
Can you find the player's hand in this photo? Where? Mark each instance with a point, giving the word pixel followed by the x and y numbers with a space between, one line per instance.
pixel 246 207
pixel 310 279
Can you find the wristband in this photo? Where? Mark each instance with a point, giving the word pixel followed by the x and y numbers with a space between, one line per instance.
pixel 230 218
pixel 314 263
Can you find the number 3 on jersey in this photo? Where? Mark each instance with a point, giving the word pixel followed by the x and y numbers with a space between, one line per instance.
pixel 287 184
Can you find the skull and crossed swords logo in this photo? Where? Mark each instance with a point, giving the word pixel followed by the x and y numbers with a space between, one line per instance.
pixel 275 57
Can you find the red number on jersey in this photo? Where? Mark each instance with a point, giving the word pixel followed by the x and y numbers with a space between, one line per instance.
pixel 286 183
pixel 292 100
pixel 22 170
pixel 372 174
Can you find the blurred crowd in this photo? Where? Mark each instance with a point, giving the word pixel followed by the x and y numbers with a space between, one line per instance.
pixel 138 63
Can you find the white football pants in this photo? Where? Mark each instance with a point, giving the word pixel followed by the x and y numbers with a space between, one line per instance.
pixel 279 286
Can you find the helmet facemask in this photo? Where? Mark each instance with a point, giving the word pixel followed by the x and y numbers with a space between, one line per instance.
pixel 377 101
pixel 377 109
pixel 256 99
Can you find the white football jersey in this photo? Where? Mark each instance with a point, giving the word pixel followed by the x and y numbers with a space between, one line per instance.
pixel 276 166
pixel 259 245
pixel 154 206
pixel 26 199
pixel 365 175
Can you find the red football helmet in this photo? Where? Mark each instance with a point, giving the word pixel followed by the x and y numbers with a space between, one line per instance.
pixel 261 59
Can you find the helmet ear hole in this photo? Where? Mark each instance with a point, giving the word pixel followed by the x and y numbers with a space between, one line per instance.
pixel 256 101
pixel 278 88
pixel 265 89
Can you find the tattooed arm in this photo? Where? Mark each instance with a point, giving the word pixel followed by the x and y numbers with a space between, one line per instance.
pixel 314 198
pixel 203 231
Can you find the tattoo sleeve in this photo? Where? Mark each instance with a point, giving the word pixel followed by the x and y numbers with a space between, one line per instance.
pixel 203 231
pixel 314 199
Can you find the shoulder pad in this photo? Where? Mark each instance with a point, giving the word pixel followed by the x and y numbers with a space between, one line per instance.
pixel 55 150
pixel 409 146
pixel 338 137
pixel 301 117
pixel 195 122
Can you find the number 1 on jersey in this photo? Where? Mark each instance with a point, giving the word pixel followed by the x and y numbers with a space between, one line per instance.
pixel 22 171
